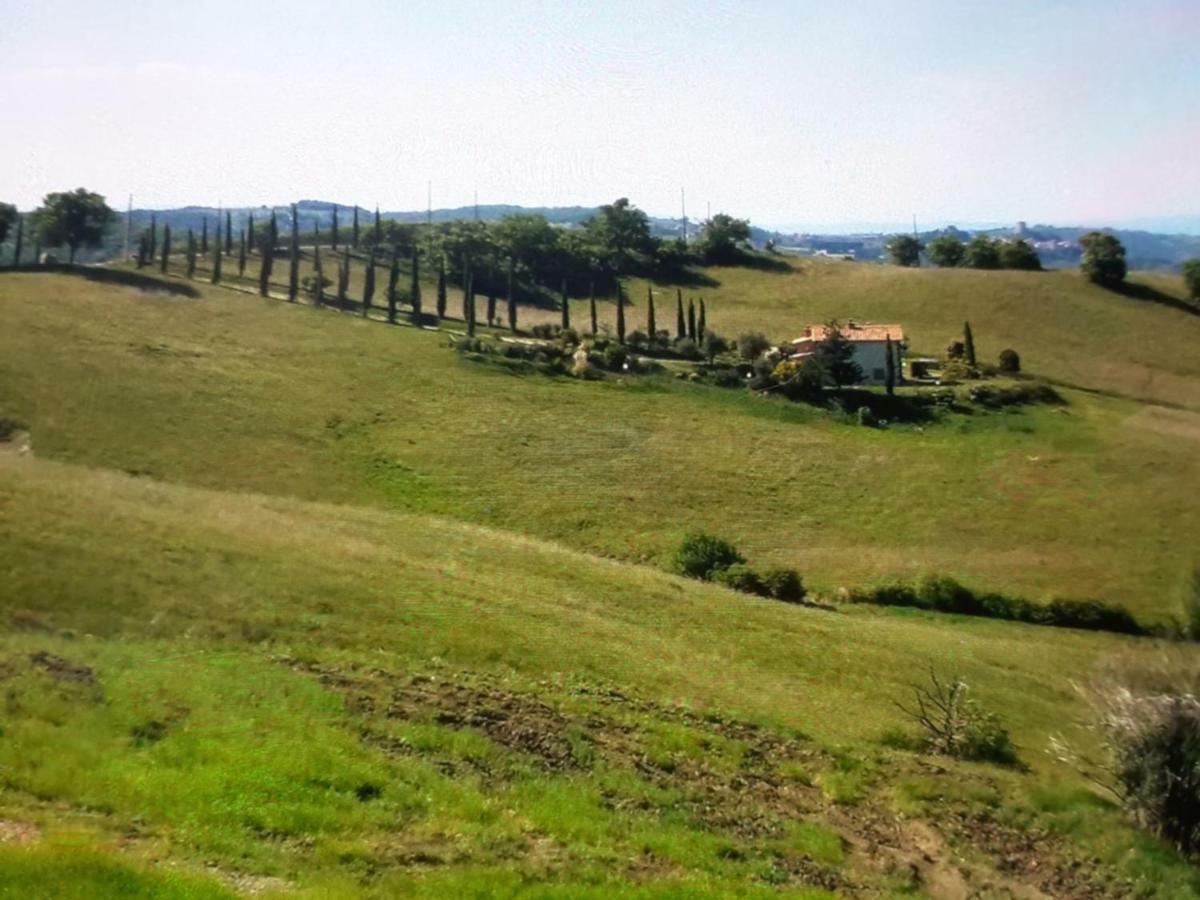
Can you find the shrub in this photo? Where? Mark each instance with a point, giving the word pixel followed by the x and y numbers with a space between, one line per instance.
pixel 1010 362
pixel 944 594
pixel 702 556
pixel 1153 740
pixel 866 417
pixel 998 396
pixel 1092 615
pixel 954 725
pixel 613 357
pixel 956 350
pixel 785 585
pixel 752 345
pixel 741 577
pixel 686 348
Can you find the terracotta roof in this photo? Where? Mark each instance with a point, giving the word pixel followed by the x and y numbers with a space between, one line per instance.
pixel 855 331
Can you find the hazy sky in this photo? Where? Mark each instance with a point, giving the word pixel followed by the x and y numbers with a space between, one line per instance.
pixel 788 113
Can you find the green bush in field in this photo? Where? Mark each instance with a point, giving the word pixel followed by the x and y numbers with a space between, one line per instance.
pixel 741 577
pixel 785 585
pixel 1010 362
pixel 702 556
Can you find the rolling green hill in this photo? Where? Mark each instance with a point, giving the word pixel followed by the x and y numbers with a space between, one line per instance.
pixel 301 603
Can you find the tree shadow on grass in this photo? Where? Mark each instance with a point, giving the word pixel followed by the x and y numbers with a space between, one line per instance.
pixel 1145 292
pixel 123 277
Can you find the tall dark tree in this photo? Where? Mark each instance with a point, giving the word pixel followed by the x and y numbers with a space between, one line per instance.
pixel 393 278
pixel 981 252
pixel 378 225
pixel 17 242
pixel 242 253
pixel 441 289
pixel 37 246
pixel 229 232
pixel 491 295
pixel 904 250
pixel 691 319
pixel 512 298
pixel 414 291
pixel 204 235
pixel 592 305
pixel 334 227
pixel 1103 259
pixel 620 313
pixel 216 265
pixel 268 256
pixel 889 362
pixel 250 234
pixel 469 299
pixel 1020 255
pixel 354 236
pixel 191 254
pixel 946 251
pixel 566 307
pixel 294 261
pixel 968 344
pixel 166 249
pixel 466 278
pixel 369 283
pixel 316 231
pixel 343 283
pixel 152 247
pixel 651 325
pixel 701 325
pixel 680 325
pixel 835 356
pixel 8 218
pixel 76 218
pixel 318 282
pixel 1191 277
pixel 143 250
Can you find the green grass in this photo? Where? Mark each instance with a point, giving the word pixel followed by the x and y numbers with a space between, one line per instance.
pixel 328 614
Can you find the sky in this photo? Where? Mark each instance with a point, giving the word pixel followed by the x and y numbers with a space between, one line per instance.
pixel 790 114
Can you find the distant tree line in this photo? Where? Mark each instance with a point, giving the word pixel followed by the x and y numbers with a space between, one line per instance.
pixel 949 251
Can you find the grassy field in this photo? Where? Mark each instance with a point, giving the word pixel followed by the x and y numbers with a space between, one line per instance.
pixel 298 603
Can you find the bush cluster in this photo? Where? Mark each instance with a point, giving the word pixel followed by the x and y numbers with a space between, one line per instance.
pixel 709 558
pixel 940 593
pixel 997 396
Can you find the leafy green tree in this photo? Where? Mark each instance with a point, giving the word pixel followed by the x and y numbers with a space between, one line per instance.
pixel 17 243
pixel 946 251
pixel 904 250
pixel 414 293
pixel 441 288
pixel 166 249
pixel 1019 255
pixel 1010 362
pixel 1103 259
pixel 700 321
pixel 76 218
pixel 680 326
pixel 981 252
pixel 651 325
pixel 530 240
pixel 191 255
pixel 620 313
pixel 294 261
pixel 592 305
pixel 216 265
pixel 712 345
pixel 890 364
pixel 393 279
pixel 368 283
pixel 242 253
pixel 229 229
pixel 469 298
pixel 566 307
pixel 491 294
pixel 203 235
pixel 8 218
pixel 723 238
pixel 691 319
pixel 968 344
pixel 512 297
pixel 1191 278
pixel 620 232
pixel 835 355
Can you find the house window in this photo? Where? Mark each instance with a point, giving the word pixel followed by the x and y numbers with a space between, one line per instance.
pixel 879 375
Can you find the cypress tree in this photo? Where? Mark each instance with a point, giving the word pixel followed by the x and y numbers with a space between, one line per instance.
pixel 334 227
pixel 369 284
pixel 566 307
pixel 216 267
pixel 700 323
pixel 17 241
pixel 343 284
pixel 354 239
pixel 466 278
pixel 415 290
pixel 620 313
pixel 680 327
pixel 691 319
pixel 592 303
pixel 229 232
pixel 318 277
pixel 191 254
pixel 969 343
pixel 378 227
pixel 316 231
pixel 268 257
pixel 651 325
pixel 469 294
pixel 393 277
pixel 890 364
pixel 37 247
pixel 143 247
pixel 491 295
pixel 153 245
pixel 294 267
pixel 166 249
pixel 242 253
pixel 250 234
pixel 441 289
pixel 512 298
pixel 203 233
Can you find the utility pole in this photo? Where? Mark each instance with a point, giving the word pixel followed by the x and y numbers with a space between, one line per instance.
pixel 128 224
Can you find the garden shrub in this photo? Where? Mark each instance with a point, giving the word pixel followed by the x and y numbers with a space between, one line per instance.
pixel 1010 362
pixel 751 345
pixel 997 396
pixel 866 417
pixel 702 556
pixel 785 585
